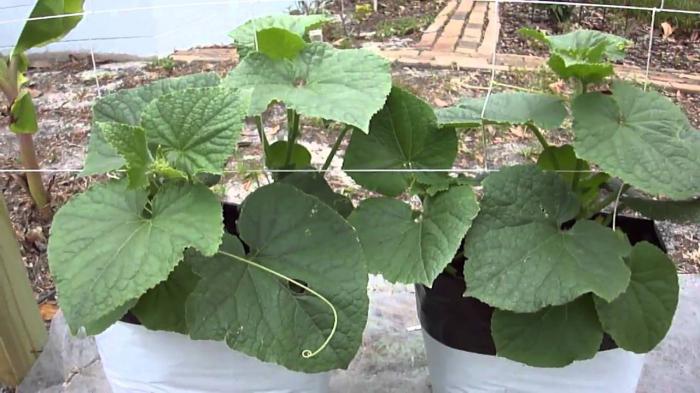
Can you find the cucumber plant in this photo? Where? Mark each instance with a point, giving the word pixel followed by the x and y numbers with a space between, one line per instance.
pixel 23 119
pixel 558 272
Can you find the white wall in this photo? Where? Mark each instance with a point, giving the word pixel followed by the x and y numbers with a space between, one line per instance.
pixel 145 32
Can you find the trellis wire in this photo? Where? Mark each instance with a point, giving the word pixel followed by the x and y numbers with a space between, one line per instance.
pixel 493 68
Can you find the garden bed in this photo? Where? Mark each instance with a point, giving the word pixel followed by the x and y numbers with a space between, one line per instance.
pixel 679 51
pixel 68 91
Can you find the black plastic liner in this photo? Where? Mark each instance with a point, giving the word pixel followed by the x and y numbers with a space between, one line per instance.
pixel 464 323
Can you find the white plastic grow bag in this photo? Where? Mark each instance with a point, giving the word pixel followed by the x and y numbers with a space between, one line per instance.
pixel 455 371
pixel 138 360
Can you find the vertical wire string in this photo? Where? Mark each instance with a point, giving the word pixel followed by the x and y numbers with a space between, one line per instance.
pixel 651 46
pixel 92 58
pixel 490 88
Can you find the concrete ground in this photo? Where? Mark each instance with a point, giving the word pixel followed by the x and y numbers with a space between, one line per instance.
pixel 392 358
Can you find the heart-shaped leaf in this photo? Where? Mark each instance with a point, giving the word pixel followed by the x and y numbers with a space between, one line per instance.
pixel 347 86
pixel 403 135
pixel 640 318
pixel 262 315
pixel 244 35
pixel 552 337
pixel 109 245
pixel 126 106
pixel 407 248
pixel 543 110
pixel 640 137
pixel 522 255
pixel 196 129
pixel 41 32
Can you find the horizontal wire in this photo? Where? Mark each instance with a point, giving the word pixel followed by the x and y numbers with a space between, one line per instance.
pixel 233 2
pixel 142 8
pixel 329 170
pixel 596 5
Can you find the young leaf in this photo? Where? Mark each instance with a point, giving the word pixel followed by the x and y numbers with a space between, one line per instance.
pixel 38 33
pixel 640 137
pixel 684 212
pixel 126 106
pixel 582 54
pixel 262 315
pixel 106 248
pixel 521 256
pixel 543 110
pixel 277 154
pixel 403 135
pixel 163 307
pixel 409 249
pixel 640 318
pixel 278 43
pixel 130 143
pixel 196 129
pixel 347 86
pixel 315 184
pixel 23 114
pixel 244 35
pixel 552 337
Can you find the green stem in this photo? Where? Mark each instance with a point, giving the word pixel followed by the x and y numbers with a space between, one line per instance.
pixel 306 353
pixel 292 134
pixel 539 136
pixel 261 133
pixel 334 150
pixel 29 161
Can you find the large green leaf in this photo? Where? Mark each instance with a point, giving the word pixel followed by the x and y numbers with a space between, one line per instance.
pixel 23 120
pixel 347 86
pixel 543 110
pixel 244 35
pixel 196 129
pixel 553 337
pixel 315 184
pixel 409 248
pixel 640 137
pixel 38 33
pixel 278 43
pixel 686 212
pixel 130 143
pixel 640 318
pixel 107 246
pixel 582 54
pixel 403 135
pixel 163 307
pixel 126 106
pixel 521 255
pixel 262 315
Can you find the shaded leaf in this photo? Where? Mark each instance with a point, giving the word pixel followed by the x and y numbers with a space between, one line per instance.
pixel 37 33
pixel 315 184
pixel 403 135
pixel 244 35
pixel 130 143
pixel 521 255
pixel 409 248
pixel 278 43
pixel 264 316
pixel 552 337
pixel 23 114
pixel 276 156
pixel 640 318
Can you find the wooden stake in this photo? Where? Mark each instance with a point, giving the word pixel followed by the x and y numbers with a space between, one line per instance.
pixel 22 332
